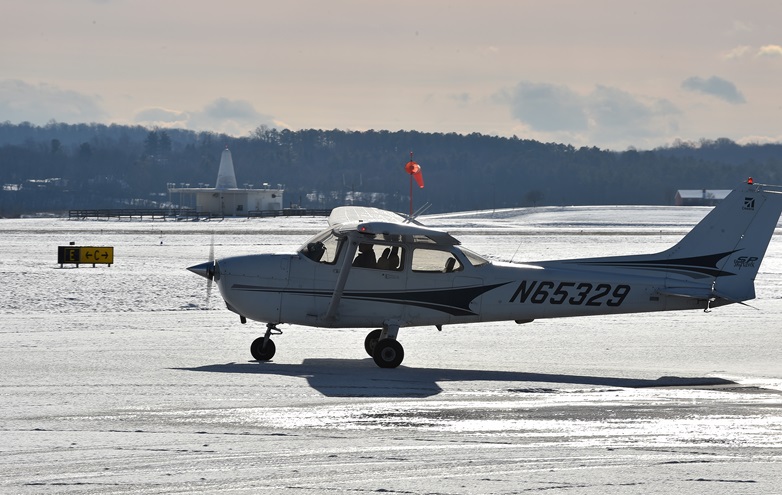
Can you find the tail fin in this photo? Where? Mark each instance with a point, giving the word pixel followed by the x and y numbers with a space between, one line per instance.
pixel 720 257
pixel 728 245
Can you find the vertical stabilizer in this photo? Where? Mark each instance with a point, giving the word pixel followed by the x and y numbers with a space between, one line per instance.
pixel 226 178
pixel 720 257
pixel 728 245
pixel 734 237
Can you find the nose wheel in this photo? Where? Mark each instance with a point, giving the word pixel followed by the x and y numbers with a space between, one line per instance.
pixel 263 348
pixel 262 352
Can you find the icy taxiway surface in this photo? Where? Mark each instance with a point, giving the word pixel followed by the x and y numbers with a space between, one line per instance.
pixel 124 379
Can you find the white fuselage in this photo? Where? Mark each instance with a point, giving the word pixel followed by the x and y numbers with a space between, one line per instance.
pixel 291 288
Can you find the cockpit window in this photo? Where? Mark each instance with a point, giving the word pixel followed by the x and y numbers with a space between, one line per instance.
pixel 435 261
pixel 380 256
pixel 323 248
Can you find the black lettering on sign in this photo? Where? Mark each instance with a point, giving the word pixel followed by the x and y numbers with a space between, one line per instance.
pixel 582 293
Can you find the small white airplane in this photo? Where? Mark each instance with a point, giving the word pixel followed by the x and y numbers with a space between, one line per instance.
pixel 377 269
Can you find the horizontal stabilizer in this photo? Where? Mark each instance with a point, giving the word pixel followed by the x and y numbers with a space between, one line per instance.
pixel 689 292
pixel 701 293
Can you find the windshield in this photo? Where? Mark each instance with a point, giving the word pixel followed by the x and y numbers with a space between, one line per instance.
pixel 323 248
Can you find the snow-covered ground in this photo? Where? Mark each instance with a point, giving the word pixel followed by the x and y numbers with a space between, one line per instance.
pixel 126 379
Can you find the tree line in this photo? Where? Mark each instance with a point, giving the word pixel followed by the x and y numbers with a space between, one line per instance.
pixel 103 166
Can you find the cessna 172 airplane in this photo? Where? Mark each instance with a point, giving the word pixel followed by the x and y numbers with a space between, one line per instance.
pixel 377 269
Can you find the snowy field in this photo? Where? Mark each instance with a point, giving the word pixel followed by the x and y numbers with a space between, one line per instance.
pixel 126 379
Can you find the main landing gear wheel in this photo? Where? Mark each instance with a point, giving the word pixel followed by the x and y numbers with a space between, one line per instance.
pixel 261 352
pixel 371 341
pixel 388 353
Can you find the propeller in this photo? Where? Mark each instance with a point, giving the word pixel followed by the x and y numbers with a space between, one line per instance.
pixel 208 270
pixel 211 273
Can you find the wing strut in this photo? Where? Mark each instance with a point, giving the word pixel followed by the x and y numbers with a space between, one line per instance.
pixel 347 263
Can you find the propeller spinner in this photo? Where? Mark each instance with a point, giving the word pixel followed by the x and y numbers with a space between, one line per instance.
pixel 206 270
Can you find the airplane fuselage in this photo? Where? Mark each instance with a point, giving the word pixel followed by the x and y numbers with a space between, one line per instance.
pixel 292 288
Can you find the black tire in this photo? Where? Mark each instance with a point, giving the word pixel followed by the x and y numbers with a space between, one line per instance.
pixel 371 341
pixel 261 353
pixel 388 353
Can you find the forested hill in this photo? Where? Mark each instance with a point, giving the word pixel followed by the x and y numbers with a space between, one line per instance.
pixel 103 166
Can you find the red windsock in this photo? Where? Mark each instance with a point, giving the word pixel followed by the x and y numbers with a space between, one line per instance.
pixel 414 169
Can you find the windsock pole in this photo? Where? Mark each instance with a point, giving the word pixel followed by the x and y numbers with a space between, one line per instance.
pixel 414 170
pixel 411 189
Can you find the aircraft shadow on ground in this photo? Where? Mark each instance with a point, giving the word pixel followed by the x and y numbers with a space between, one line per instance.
pixel 362 378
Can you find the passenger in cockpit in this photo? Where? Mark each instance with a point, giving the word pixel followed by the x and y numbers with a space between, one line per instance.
pixel 383 261
pixel 366 257
pixel 389 260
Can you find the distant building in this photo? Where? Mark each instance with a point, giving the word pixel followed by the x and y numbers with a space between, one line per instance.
pixel 700 197
pixel 48 184
pixel 226 199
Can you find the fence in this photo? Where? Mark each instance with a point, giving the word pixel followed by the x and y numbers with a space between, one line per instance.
pixel 164 214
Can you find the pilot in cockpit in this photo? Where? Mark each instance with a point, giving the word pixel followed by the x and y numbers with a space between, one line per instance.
pixel 315 251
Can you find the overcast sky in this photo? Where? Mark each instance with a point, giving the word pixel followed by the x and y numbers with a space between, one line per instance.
pixel 611 74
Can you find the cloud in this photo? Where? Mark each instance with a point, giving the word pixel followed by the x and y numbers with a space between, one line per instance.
pixel 162 117
pixel 547 107
pixel 233 117
pixel 770 51
pixel 741 27
pixel 460 98
pixel 714 86
pixel 620 116
pixel 743 51
pixel 38 104
pixel 606 114
pixel 613 107
pixel 225 109
pixel 737 52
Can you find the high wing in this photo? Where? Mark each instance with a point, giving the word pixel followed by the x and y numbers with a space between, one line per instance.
pixel 360 221
pixel 360 214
